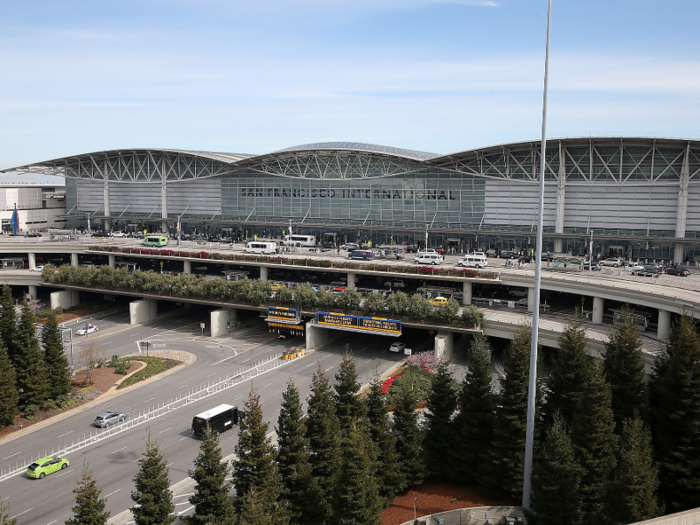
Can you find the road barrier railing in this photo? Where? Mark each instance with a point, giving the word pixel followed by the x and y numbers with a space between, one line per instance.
pixel 192 396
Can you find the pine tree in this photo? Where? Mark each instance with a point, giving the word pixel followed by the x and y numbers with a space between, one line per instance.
pixel 473 425
pixel 349 406
pixel 323 430
pixel 30 369
pixel 254 468
pixel 675 417
pixel 595 443
pixel 293 455
pixel 391 479
pixel 8 323
pixel 556 497
pixel 636 479
pixel 356 499
pixel 153 498
pixel 255 510
pixel 5 514
pixel 624 369
pixel 439 438
pixel 503 472
pixel 89 506
pixel 8 389
pixel 211 501
pixel 409 440
pixel 57 365
pixel 571 372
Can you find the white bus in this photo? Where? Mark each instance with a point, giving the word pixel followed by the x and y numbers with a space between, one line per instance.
pixel 299 240
pixel 261 247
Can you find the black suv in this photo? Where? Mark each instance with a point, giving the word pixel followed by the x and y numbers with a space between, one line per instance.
pixel 411 248
pixel 649 270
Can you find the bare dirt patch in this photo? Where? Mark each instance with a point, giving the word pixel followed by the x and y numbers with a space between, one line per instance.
pixel 434 496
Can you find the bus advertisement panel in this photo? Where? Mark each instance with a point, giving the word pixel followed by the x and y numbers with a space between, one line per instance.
pixel 282 314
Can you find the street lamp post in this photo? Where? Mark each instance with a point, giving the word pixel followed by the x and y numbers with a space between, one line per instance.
pixel 70 332
pixel 179 225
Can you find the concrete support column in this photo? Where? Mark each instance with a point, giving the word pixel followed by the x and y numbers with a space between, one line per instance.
pixel 466 293
pixel 112 261
pixel 678 253
pixel 32 292
pixel 561 198
pixel 682 207
pixel 598 307
pixel 32 260
pixel 222 322
pixel 142 311
pixel 74 260
pixel 530 299
pixel 64 299
pixel 108 207
pixel 164 203
pixel 317 336
pixel 263 273
pixel 351 280
pixel 187 267
pixel 664 324
pixel 444 345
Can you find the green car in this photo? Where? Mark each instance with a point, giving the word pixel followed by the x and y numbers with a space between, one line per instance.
pixel 42 467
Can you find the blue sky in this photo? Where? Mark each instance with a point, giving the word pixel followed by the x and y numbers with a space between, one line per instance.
pixel 254 77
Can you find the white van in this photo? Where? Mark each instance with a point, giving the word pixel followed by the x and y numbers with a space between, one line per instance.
pixel 428 258
pixel 299 240
pixel 261 247
pixel 474 261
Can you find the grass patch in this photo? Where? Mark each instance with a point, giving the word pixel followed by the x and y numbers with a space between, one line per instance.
pixel 154 366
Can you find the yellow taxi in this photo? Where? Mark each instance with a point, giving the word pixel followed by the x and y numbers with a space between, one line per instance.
pixel 438 301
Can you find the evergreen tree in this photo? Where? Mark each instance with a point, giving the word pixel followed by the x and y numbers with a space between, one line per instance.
pixel 556 497
pixel 5 514
pixel 254 468
pixel 636 479
pixel 571 372
pixel 473 426
pixel 8 323
pixel 30 369
pixel 409 440
pixel 349 407
pixel 323 430
pixel 8 389
pixel 255 510
pixel 211 501
pixel 153 499
pixel 293 455
pixel 439 438
pixel 595 443
pixel 89 506
pixel 57 365
pixel 624 369
pixel 390 478
pixel 675 417
pixel 356 499
pixel 503 472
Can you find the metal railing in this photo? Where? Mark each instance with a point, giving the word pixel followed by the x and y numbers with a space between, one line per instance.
pixel 255 369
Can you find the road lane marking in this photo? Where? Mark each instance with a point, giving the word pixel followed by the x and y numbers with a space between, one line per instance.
pixel 238 398
pixel 183 495
pixel 225 359
pixel 108 342
pixel 64 472
pixel 171 463
pixel 183 503
pixel 267 385
pixel 13 517
pixel 312 364
pixel 148 400
pixel 187 509
pixel 183 386
pixel 212 374
pixel 119 449
pixel 165 430
pixel 247 360
pixel 111 493
pixel 50 522
pixel 327 369
pixel 63 434
pixel 13 455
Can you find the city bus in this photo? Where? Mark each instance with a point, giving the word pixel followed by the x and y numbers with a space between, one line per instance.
pixel 261 247
pixel 299 240
pixel 155 240
pixel 217 419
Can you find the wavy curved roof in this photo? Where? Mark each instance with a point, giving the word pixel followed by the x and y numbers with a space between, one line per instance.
pixel 360 146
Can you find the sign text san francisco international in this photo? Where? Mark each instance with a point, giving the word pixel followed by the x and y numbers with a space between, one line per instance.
pixel 323 193
pixel 359 324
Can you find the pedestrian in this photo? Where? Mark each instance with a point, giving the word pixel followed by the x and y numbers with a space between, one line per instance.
pixel 338 251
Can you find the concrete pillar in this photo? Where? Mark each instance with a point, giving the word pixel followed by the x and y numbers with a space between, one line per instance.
pixel 108 207
pixel 444 345
pixel 32 260
pixel 263 273
pixel 530 299
pixel 74 259
pixel 466 293
pixel 664 324
pixel 561 198
pixel 64 299
pixel 221 323
pixel 682 213
pixel 32 291
pixel 351 280
pixel 598 307
pixel 317 336
pixel 142 311
pixel 112 261
pixel 188 267
pixel 164 201
pixel 153 308
pixel 678 253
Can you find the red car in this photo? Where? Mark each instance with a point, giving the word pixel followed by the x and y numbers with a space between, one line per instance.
pixel 440 250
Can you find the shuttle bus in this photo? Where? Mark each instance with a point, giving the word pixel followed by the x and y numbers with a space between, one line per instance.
pixel 299 240
pixel 218 419
pixel 261 247
pixel 155 240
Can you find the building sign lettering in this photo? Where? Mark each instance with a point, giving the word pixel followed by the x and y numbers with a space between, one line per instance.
pixel 353 322
pixel 323 193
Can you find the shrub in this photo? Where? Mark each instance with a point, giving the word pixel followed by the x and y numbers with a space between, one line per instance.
pixel 30 410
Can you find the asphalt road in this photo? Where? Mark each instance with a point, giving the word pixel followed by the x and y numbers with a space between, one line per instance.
pixel 113 460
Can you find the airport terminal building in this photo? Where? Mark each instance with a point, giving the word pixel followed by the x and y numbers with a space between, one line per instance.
pixel 634 197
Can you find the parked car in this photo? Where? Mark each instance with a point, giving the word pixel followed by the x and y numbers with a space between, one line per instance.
pixel 48 465
pixel 649 270
pixel 411 248
pixel 89 329
pixel 507 254
pixel 438 301
pixel 395 283
pixel 350 246
pixel 284 337
pixel 633 269
pixel 397 346
pixel 39 268
pixel 32 234
pixel 615 262
pixel 680 272
pixel 440 250
pixel 118 234
pixel 106 419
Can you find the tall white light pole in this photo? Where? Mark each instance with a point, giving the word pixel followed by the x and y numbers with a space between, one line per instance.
pixel 532 386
